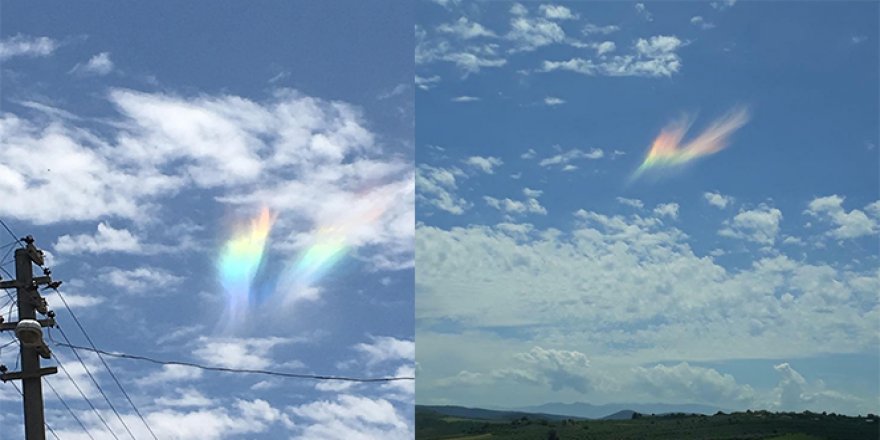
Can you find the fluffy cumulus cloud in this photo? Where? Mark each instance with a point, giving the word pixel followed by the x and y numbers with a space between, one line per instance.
pixel 565 160
pixel 385 349
pixel 717 200
pixel 847 225
pixel 794 392
pixel 528 33
pixel 469 58
pixel 614 271
pixel 143 279
pixel 473 47
pixel 26 46
pixel 635 203
pixel 760 225
pixel 466 29
pixel 106 239
pixel 686 383
pixel 530 205
pixel 436 187
pixel 350 417
pixel 632 292
pixel 652 57
pixel 484 164
pixel 669 210
pixel 238 352
pixel 557 12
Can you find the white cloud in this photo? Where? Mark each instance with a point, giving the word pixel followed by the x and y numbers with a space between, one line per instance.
pixel 532 193
pixel 484 164
pixel 622 272
pixel 759 225
pixel 701 22
pixel 653 57
pixel 396 91
pixel 667 210
pixel 852 224
pixel 686 383
pixel 27 46
pixel 604 47
pixel 530 205
pixel 644 12
pixel 858 39
pixel 717 200
pixel 251 353
pixel 465 99
pixel 427 83
pixel 553 101
pixel 143 279
pixel 465 29
pixel 437 186
pixel 518 9
pixel 566 158
pixel 187 397
pixel 75 301
pixel 794 393
pixel 171 373
pixel 470 58
pixel 723 4
pixel 635 203
pixel 351 417
pixel 306 159
pixel 557 12
pixel 558 368
pixel 385 348
pixel 472 63
pixel 106 239
pixel 100 64
pixel 591 29
pixel 530 33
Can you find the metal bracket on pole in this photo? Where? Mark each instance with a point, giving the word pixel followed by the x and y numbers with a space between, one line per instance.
pixel 18 375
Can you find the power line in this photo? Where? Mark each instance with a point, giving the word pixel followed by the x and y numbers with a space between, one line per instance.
pixel 115 379
pixel 5 226
pixel 242 370
pixel 73 414
pixel 81 393
pixel 94 381
pixel 44 423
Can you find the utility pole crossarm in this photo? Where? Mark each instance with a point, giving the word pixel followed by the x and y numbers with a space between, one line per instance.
pixel 28 331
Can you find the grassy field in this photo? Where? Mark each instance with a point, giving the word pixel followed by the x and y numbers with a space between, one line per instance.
pixel 751 425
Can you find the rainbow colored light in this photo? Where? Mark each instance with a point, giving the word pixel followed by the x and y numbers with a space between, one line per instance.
pixel 667 151
pixel 240 260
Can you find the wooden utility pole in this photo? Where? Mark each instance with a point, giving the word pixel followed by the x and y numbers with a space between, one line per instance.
pixel 28 330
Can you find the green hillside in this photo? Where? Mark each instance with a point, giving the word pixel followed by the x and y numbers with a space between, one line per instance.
pixel 431 425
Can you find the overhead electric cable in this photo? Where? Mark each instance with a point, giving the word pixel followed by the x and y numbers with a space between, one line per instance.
pixel 81 393
pixel 94 381
pixel 72 414
pixel 113 375
pixel 44 423
pixel 242 370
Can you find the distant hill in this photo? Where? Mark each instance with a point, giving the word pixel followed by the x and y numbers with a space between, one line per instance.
pixel 486 414
pixel 590 411
pixel 433 425
pixel 620 415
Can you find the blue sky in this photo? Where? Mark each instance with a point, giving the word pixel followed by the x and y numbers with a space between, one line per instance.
pixel 744 279
pixel 139 139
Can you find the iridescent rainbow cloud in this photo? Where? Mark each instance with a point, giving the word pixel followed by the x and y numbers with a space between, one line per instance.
pixel 240 260
pixel 328 245
pixel 667 150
